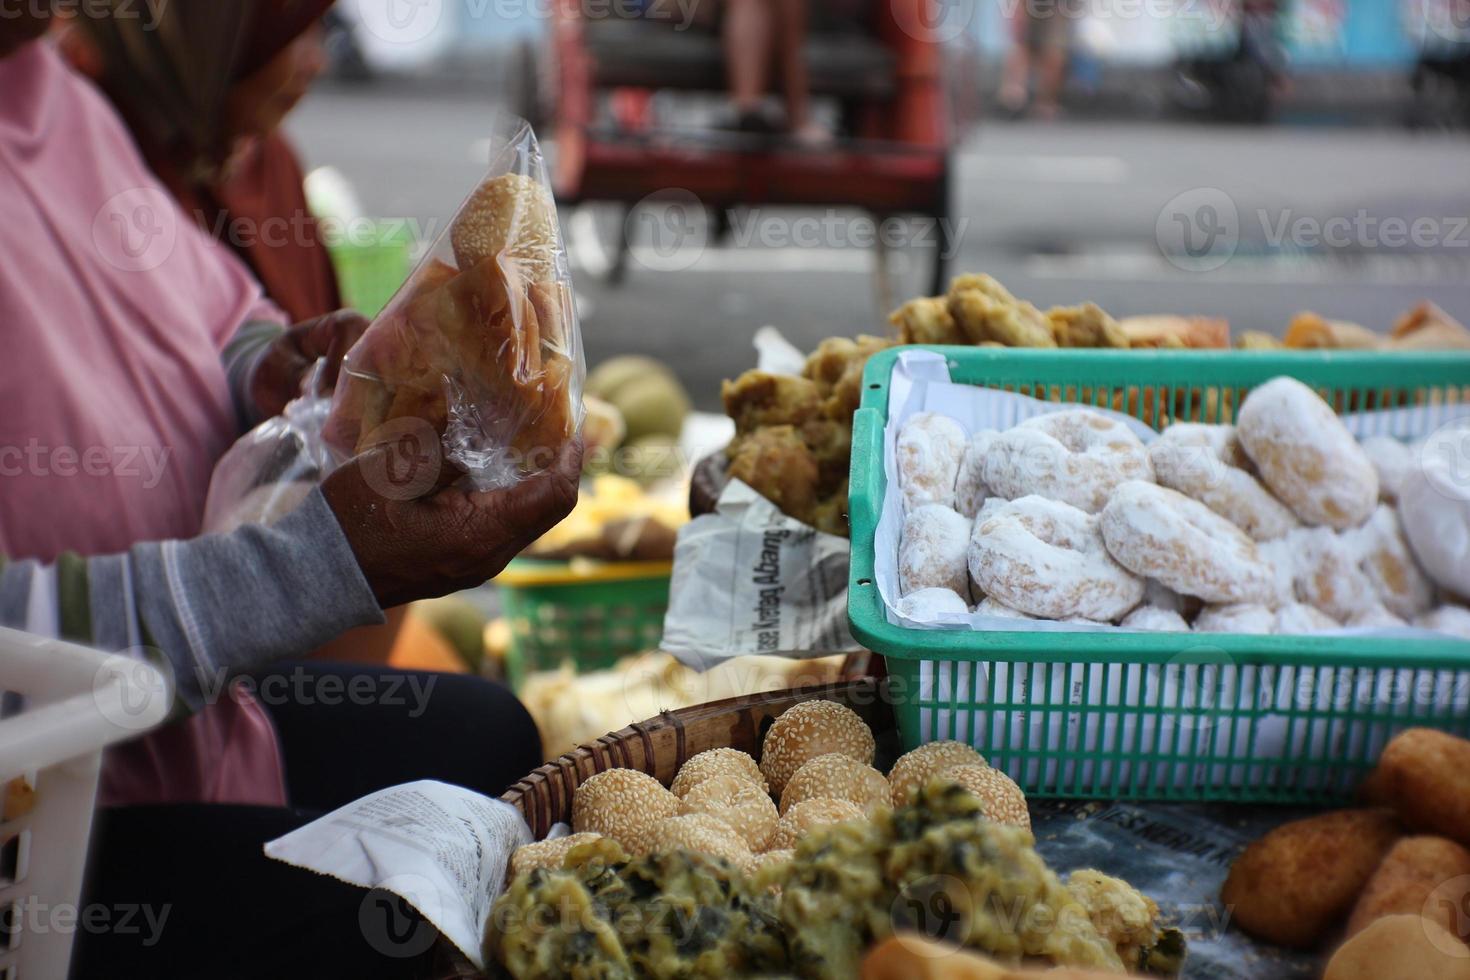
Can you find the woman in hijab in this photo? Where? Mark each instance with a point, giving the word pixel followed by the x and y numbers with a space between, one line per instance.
pixel 204 90
pixel 136 350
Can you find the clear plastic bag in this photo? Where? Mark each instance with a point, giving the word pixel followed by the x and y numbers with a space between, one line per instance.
pixel 271 469
pixel 481 345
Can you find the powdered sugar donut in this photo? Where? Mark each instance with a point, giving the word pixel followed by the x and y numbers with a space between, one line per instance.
pixel 1434 504
pixel 929 604
pixel 1392 459
pixel 970 489
pixel 1376 617
pixel 934 550
pixel 1160 533
pixel 1239 617
pixel 930 447
pixel 1454 620
pixel 1046 558
pixel 1296 618
pixel 1152 619
pixel 1076 456
pixel 1328 575
pixel 1390 567
pixel 989 607
pixel 1157 594
pixel 1279 557
pixel 1306 456
pixel 1207 462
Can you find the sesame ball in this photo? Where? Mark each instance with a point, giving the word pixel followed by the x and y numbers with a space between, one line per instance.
pixel 837 777
pixel 810 814
pixel 701 833
pixel 808 730
pixel 914 769
pixel 768 870
pixel 510 215
pixel 548 854
pixel 1001 800
pixel 623 804
pixel 737 801
pixel 716 762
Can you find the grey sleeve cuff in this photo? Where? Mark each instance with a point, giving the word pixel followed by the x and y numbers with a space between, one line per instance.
pixel 241 354
pixel 221 604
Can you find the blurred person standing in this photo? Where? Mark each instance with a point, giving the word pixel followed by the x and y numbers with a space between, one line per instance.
pixel 1041 42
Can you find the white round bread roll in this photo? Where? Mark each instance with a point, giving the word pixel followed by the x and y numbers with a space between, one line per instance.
pixel 933 550
pixel 1434 504
pixel 929 451
pixel 1306 456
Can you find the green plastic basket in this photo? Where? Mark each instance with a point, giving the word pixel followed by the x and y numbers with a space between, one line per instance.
pixel 372 266
pixel 1286 719
pixel 587 615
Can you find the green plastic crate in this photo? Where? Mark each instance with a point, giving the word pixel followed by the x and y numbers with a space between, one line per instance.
pixel 372 266
pixel 589 615
pixel 1282 719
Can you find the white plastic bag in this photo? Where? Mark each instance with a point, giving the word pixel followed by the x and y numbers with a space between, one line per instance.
pixel 271 469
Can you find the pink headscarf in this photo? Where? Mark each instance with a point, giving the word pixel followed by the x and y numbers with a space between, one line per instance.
pixel 114 404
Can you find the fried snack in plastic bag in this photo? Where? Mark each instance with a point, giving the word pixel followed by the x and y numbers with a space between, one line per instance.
pixel 482 343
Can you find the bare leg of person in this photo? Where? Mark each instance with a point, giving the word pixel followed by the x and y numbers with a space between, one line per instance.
pixel 746 35
pixel 1015 78
pixel 1051 75
pixel 791 16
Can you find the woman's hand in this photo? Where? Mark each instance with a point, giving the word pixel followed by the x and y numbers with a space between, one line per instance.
pixel 418 547
pixel 284 366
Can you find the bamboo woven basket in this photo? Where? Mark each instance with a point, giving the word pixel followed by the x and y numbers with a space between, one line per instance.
pixel 659 746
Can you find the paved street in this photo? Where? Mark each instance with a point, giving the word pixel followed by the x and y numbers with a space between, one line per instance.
pixel 1061 214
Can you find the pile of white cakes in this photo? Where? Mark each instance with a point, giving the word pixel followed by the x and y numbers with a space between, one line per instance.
pixel 1282 523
